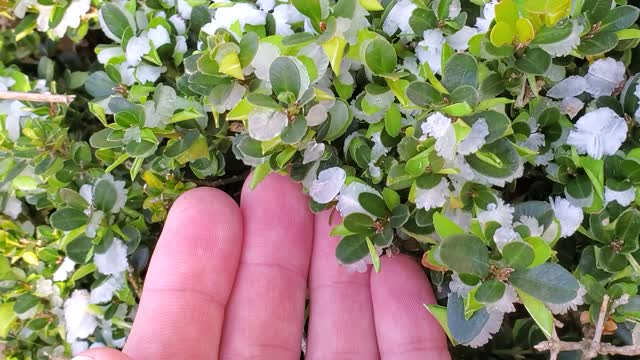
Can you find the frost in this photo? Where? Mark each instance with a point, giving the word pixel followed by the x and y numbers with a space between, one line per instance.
pixel 559 309
pixel 158 36
pixel 266 124
pixel 475 139
pixel 429 50
pixel 460 40
pixel 505 235
pixel 499 212
pixel 439 127
pixel 491 327
pixel 569 216
pixel 571 106
pixel 604 77
pixel 149 73
pixel 285 15
pixel 328 185
pixel 113 260
pixel 565 46
pixel 137 47
pixel 313 152
pixel 263 59
pixel 598 133
pixel 432 198
pixel 488 14
pixel 398 18
pixel 80 323
pixel 348 199
pixel 243 13
pixel 624 197
pixel 569 87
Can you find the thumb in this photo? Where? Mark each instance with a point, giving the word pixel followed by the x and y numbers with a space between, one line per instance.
pixel 102 354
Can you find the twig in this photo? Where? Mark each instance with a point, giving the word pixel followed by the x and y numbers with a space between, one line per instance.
pixel 24 96
pixel 133 280
pixel 590 348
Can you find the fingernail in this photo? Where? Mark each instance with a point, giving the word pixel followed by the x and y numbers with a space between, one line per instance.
pixel 82 357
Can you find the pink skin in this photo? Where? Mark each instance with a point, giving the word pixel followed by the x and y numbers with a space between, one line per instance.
pixel 230 283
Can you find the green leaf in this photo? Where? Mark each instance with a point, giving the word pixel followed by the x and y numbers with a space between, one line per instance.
pixel 313 9
pixel 116 19
pixel 628 230
pixel 541 249
pixel 373 204
pixel 380 56
pixel 535 61
pixel 79 248
pixel 619 18
pixel 423 94
pixel 490 291
pixel 334 49
pixel 285 76
pixel 295 131
pixel 464 329
pixel 596 10
pixel 445 227
pixel 358 222
pixel 538 311
pixel 465 254
pixel 73 199
pixel 518 254
pixel 461 69
pixel 259 173
pixel 67 219
pixel 391 198
pixel 83 271
pixel 7 318
pixel 422 19
pixel 549 282
pixel 393 121
pixel 460 109
pixel 339 120
pixel 105 195
pixel 248 48
pixel 352 248
pixel 440 314
pixel 399 215
pixel 600 43
pixel 375 259
pixel 579 187
pixel 504 152
pixel 25 302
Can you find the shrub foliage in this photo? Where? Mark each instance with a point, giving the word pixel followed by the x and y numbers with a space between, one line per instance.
pixel 495 140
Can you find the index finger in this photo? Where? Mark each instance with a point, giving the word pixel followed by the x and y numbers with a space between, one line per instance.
pixel 189 279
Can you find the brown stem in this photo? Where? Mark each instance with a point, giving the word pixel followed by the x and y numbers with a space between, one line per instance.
pixel 590 348
pixel 24 96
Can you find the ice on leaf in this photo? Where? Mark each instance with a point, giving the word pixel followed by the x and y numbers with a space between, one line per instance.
pixel 266 124
pixel 328 185
pixel 598 133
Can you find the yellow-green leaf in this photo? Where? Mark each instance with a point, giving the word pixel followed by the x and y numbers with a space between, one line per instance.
pixel 540 314
pixel 230 65
pixel 334 49
pixel 371 5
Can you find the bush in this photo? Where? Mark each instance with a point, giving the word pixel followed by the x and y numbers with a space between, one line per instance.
pixel 496 141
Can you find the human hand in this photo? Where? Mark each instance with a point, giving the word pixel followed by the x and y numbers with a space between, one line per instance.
pixel 230 282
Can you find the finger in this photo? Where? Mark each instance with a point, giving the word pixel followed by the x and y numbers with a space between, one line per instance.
pixel 189 279
pixel 341 316
pixel 101 354
pixel 404 329
pixel 265 315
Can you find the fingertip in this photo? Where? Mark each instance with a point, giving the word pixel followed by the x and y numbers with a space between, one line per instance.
pixel 404 328
pixel 199 203
pixel 101 354
pixel 404 267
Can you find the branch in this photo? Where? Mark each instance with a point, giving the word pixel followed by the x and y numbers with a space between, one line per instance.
pixel 24 96
pixel 590 348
